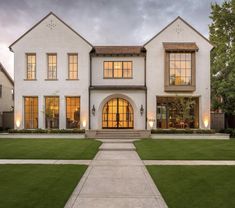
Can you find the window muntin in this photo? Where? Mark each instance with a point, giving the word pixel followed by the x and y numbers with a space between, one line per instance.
pixel 30 112
pixel 52 66
pixel 73 66
pixel 52 112
pixel 31 66
pixel 118 69
pixel 72 112
pixel 180 68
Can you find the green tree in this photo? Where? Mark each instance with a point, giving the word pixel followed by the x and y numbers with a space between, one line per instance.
pixel 222 36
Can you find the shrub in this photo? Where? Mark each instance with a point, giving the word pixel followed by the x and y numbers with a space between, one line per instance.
pixel 47 131
pixel 182 131
pixel 230 131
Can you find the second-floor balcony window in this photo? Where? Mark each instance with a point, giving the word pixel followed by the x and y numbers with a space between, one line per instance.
pixel 118 69
pixel 52 66
pixel 31 66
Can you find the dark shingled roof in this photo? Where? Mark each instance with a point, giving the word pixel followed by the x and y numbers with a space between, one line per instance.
pixel 118 50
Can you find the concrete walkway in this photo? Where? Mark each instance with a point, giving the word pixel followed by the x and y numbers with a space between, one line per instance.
pixel 116 178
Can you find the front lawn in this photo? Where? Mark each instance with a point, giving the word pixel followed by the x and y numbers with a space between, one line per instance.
pixel 48 148
pixel 195 186
pixel 186 149
pixel 38 186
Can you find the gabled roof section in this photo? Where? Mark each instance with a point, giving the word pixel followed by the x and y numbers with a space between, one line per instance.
pixel 178 18
pixel 118 50
pixel 6 73
pixel 51 13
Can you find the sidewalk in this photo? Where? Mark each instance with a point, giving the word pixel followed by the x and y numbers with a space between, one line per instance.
pixel 116 178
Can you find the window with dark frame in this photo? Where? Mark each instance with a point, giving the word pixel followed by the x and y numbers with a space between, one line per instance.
pixel 30 112
pixel 73 66
pixel 72 112
pixel 52 66
pixel 180 68
pixel 31 66
pixel 117 69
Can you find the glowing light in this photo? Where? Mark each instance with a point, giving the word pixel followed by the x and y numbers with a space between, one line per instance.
pixel 17 123
pixel 84 124
pixel 151 124
pixel 206 122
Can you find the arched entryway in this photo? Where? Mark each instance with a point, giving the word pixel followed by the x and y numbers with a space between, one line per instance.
pixel 118 114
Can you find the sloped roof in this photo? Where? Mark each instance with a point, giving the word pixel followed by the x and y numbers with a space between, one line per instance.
pixel 175 46
pixel 50 13
pixel 6 73
pixel 178 18
pixel 118 50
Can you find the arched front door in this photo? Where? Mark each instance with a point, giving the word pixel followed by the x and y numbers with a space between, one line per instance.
pixel 118 113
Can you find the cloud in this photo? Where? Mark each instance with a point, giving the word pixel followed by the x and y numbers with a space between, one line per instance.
pixel 101 22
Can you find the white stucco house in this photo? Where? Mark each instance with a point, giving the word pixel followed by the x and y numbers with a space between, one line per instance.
pixel 63 81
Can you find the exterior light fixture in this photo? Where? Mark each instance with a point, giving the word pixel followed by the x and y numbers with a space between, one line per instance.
pixel 17 124
pixel 141 110
pixel 151 122
pixel 93 110
pixel 206 122
pixel 84 124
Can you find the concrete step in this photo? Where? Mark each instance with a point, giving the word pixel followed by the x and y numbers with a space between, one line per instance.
pixel 117 147
pixel 117 140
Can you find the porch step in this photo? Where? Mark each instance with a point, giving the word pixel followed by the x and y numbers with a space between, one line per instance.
pixel 126 134
pixel 117 147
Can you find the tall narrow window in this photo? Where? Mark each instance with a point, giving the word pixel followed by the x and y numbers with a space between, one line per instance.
pixel 30 112
pixel 52 66
pixel 0 91
pixel 72 112
pixel 31 66
pixel 117 69
pixel 52 112
pixel 73 66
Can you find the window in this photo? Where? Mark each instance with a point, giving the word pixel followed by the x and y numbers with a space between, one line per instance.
pixel 52 66
pixel 30 112
pixel 52 112
pixel 31 66
pixel 117 69
pixel 177 112
pixel 72 112
pixel 0 91
pixel 73 66
pixel 180 68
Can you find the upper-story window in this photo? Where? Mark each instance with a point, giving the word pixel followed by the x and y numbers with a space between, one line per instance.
pixel 180 68
pixel 117 69
pixel 73 66
pixel 31 66
pixel 52 66
pixel 0 90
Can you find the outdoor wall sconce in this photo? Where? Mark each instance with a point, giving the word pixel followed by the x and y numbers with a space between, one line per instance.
pixel 93 110
pixel 141 110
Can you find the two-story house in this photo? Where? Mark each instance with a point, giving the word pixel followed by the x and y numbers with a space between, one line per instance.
pixel 6 95
pixel 63 81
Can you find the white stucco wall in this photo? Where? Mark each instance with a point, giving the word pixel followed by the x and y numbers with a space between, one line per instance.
pixel 178 32
pixel 137 66
pixel 42 40
pixel 135 98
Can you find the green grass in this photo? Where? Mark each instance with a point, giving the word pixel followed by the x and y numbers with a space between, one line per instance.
pixel 186 149
pixel 38 186
pixel 48 148
pixel 195 186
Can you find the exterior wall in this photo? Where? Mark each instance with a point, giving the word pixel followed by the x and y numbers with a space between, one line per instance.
pixel 137 67
pixel 178 32
pixel 6 101
pixel 135 98
pixel 45 39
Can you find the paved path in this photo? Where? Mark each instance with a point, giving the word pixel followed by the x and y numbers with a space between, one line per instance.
pixel 116 178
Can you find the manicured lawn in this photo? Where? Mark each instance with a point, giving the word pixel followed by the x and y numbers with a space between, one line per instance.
pixel 48 148
pixel 186 149
pixel 38 186
pixel 195 186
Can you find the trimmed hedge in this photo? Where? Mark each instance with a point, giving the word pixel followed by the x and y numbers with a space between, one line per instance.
pixel 48 131
pixel 182 131
pixel 230 131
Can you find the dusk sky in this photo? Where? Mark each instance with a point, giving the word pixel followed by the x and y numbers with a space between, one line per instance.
pixel 101 22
